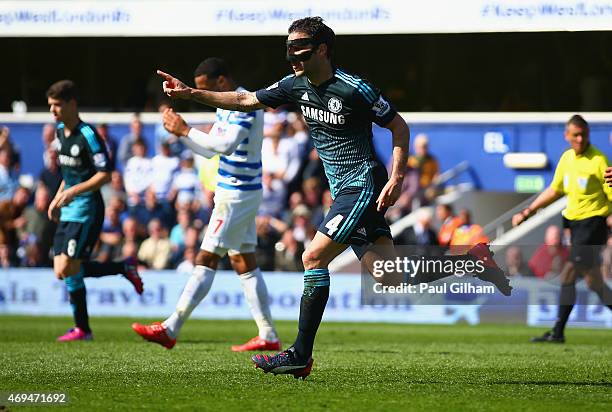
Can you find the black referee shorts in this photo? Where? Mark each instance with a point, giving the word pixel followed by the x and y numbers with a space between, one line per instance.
pixel 588 236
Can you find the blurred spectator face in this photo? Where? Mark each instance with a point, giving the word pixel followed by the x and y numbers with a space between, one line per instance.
pixel 312 191
pixel 136 127
pixel 609 222
pixel 165 149
pixel 51 159
pixel 443 212
pixel 421 145
pixel 191 237
pixel 190 254
pixel 102 130
pixel 295 199
pixel 183 218
pixel 21 197
pixel 117 203
pixel 514 258
pixel 464 217
pixel 139 149
pixel 5 158
pixel 262 225
pixel 129 249
pixel 41 198
pixel 301 216
pixel 130 228
pixel 113 215
pixel 116 181
pixel 150 199
pixel 552 237
pixel 155 229
pixel 276 130
pixel 48 134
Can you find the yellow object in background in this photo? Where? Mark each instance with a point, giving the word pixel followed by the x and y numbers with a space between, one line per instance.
pixel 208 169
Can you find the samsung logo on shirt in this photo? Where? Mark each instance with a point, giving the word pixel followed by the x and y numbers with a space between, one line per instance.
pixel 69 161
pixel 322 115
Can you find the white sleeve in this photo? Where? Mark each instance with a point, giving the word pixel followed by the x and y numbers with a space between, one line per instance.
pixel 223 139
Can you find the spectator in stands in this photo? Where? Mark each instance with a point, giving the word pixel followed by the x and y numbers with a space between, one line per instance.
pixel 138 173
pixel 421 235
pixel 5 256
pixel 109 142
pixel 550 257
pixel 114 189
pixel 297 129
pixel 151 209
pixel 288 254
pixel 12 219
pixel 418 187
pixel 48 135
pixel 177 234
pixel 125 146
pixel 302 227
pixel 165 166
pixel 188 262
pixel 8 178
pixel 50 176
pixel 186 181
pixel 155 250
pixel 313 191
pixel 449 223
pixel 427 167
pixel 38 229
pixel 468 234
pixel 273 197
pixel 279 154
pixel 268 233
pixel 313 167
pixel 176 147
pixel 13 150
pixel 515 264
pixel 132 231
pixel 110 236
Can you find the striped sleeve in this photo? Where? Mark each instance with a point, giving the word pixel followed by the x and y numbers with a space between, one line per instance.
pixel 97 149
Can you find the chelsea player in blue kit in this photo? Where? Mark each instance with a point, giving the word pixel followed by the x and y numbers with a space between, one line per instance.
pixel 79 207
pixel 339 109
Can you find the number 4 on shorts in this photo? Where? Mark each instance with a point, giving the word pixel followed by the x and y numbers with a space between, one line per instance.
pixel 333 224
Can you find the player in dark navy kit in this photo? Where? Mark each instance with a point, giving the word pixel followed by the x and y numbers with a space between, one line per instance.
pixel 79 207
pixel 339 109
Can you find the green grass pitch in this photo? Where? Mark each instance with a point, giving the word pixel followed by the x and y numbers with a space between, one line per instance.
pixel 358 367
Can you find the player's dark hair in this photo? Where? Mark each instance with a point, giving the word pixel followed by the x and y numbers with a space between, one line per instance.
pixel 315 28
pixel 579 121
pixel 212 67
pixel 63 90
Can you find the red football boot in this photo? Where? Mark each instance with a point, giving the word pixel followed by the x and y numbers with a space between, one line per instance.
pixel 155 332
pixel 492 273
pixel 257 343
pixel 131 274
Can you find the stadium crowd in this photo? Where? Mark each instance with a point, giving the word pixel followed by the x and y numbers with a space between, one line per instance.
pixel 157 208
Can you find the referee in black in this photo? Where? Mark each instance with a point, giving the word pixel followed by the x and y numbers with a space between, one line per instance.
pixel 585 176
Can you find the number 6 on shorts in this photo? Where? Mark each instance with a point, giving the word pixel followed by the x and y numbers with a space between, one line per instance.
pixel 333 224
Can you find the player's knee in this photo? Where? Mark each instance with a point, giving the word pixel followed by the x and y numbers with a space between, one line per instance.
pixel 207 259
pixel 312 259
pixel 592 282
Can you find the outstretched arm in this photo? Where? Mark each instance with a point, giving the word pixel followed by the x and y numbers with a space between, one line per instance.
pixel 241 101
pixel 202 143
pixel 401 139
